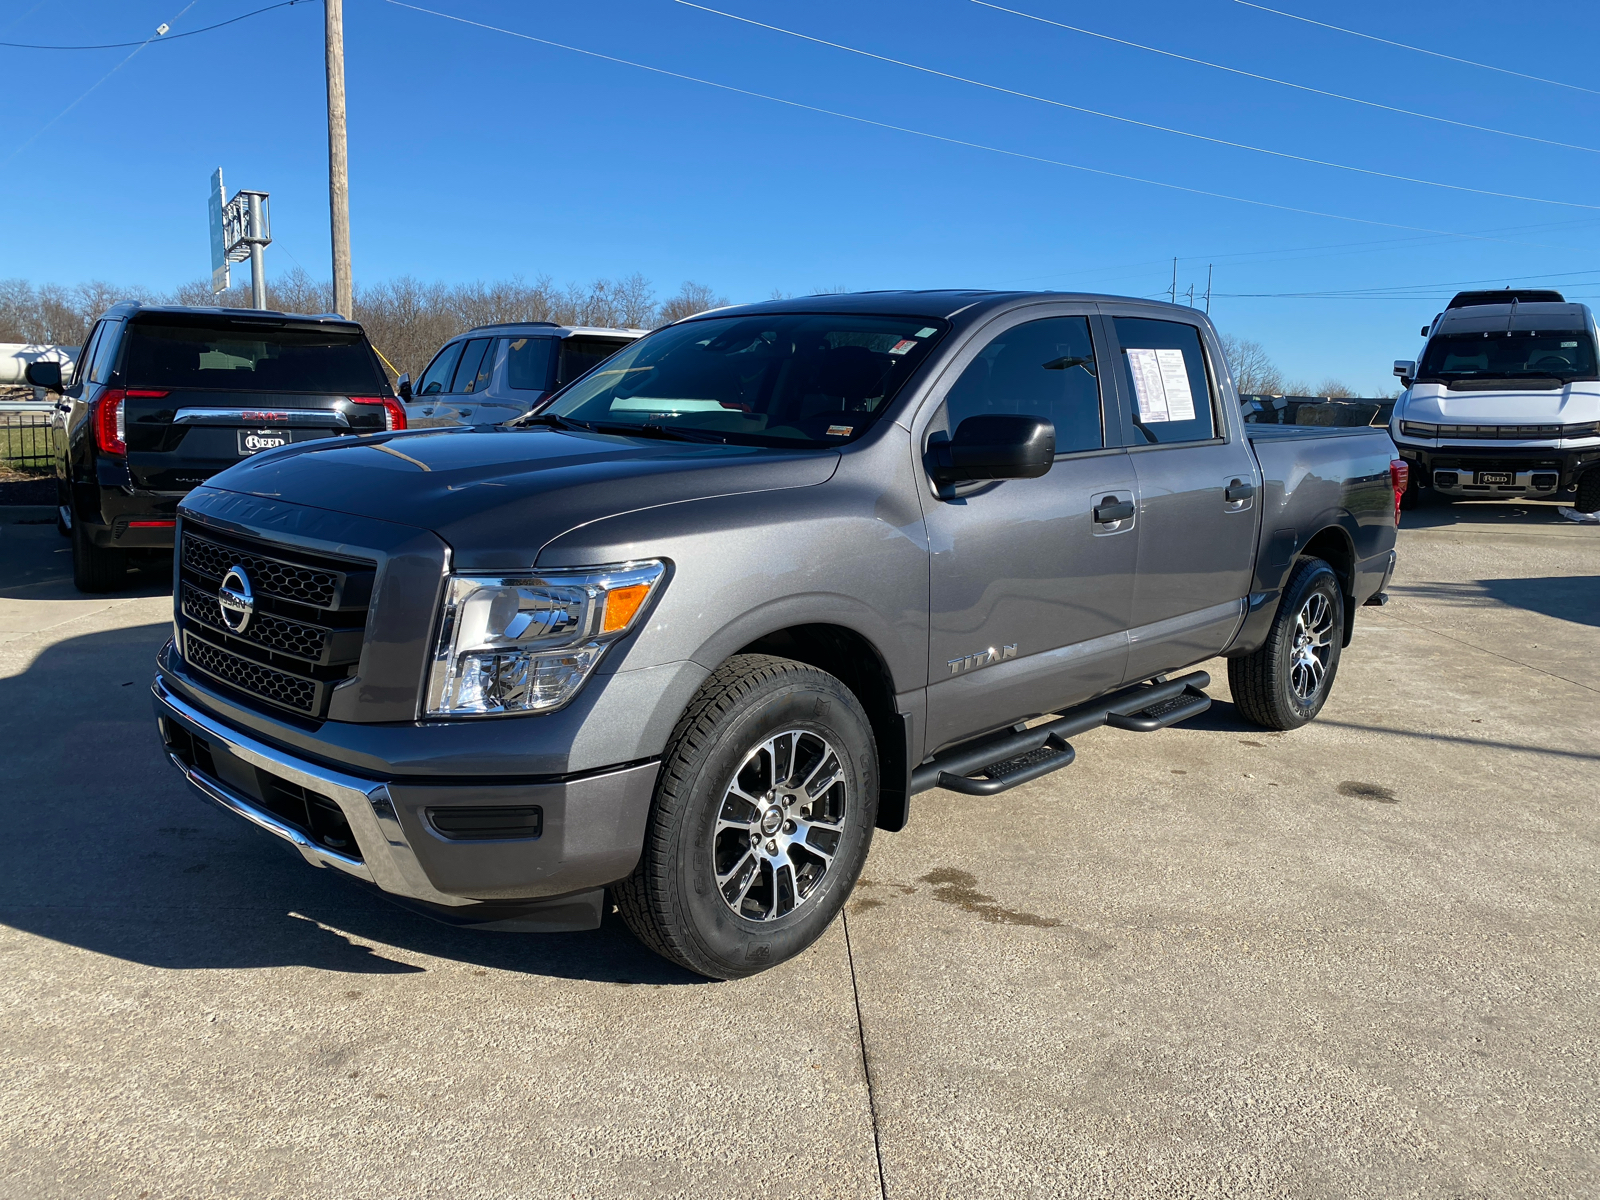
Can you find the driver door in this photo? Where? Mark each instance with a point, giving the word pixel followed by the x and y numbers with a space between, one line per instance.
pixel 1030 594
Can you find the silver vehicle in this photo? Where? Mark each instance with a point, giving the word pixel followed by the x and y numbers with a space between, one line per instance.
pixel 1504 402
pixel 716 612
pixel 493 373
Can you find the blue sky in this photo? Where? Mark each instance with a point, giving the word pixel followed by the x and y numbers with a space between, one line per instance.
pixel 478 155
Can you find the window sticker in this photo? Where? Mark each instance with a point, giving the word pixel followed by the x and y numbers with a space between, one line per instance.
pixel 1161 384
pixel 840 430
pixel 926 331
pixel 902 346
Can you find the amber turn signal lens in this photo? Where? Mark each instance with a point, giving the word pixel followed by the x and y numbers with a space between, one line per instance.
pixel 621 606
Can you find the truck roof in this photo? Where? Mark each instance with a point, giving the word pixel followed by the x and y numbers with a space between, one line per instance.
pixel 129 308
pixel 942 303
pixel 1506 296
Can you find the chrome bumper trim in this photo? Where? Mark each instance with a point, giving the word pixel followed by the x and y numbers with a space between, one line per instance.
pixel 387 859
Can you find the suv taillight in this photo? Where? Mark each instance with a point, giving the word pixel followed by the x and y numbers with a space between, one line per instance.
pixel 1399 476
pixel 394 413
pixel 109 422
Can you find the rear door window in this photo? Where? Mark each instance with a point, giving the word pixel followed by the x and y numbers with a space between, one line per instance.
pixel 476 363
pixel 1037 369
pixel 528 363
pixel 437 377
pixel 1164 373
pixel 580 355
pixel 256 356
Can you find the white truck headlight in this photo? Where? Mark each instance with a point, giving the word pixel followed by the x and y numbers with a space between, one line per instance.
pixel 525 643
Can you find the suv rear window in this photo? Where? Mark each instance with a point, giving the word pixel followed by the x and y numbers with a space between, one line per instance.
pixel 247 356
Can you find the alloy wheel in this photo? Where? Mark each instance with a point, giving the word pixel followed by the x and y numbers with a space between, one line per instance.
pixel 1313 644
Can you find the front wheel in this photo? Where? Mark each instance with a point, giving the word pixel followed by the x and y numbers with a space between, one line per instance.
pixel 1587 499
pixel 1284 683
pixel 762 819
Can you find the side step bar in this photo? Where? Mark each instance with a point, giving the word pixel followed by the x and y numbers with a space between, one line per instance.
pixel 1015 758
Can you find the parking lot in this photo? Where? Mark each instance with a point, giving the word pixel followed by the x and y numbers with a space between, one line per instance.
pixel 1360 959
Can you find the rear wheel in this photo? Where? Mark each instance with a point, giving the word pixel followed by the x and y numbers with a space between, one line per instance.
pixel 1588 497
pixel 95 569
pixel 762 819
pixel 1284 683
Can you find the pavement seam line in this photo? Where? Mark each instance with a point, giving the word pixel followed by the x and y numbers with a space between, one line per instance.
pixel 866 1066
pixel 1502 657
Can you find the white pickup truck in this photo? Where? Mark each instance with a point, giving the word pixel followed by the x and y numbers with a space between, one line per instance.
pixel 1505 401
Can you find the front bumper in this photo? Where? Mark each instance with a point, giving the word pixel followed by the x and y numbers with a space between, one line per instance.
pixel 383 832
pixel 1538 471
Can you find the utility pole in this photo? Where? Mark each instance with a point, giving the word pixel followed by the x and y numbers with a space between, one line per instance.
pixel 338 162
pixel 1208 289
pixel 1172 292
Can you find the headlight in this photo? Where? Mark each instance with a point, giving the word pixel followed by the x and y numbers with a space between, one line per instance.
pixel 525 643
pixel 1418 429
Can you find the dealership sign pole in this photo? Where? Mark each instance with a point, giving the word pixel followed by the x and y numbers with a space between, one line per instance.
pixel 240 229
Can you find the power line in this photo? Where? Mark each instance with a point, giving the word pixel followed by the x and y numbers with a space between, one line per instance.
pixel 93 86
pixel 159 37
pixel 1320 162
pixel 936 137
pixel 1527 137
pixel 1418 49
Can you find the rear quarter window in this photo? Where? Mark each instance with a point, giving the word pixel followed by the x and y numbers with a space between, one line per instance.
pixel 580 355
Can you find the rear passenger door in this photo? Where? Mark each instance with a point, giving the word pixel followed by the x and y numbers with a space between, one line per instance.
pixel 1029 593
pixel 1197 480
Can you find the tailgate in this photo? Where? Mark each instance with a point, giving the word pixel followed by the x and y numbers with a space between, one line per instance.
pixel 181 438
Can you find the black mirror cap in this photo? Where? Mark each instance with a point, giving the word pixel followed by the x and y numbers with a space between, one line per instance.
pixel 404 386
pixel 46 375
pixel 997 446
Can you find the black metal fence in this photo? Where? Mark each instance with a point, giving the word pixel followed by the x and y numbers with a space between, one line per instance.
pixel 25 439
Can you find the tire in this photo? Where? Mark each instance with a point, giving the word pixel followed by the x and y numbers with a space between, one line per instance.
pixel 1587 499
pixel 1284 683
pixel 95 569
pixel 1412 496
pixel 755 713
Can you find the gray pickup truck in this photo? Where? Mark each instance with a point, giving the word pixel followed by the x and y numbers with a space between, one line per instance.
pixel 695 628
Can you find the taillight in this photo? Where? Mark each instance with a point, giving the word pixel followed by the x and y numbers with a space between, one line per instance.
pixel 1399 476
pixel 110 428
pixel 394 413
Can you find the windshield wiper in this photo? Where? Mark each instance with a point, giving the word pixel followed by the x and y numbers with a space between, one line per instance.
pixel 661 432
pixel 550 419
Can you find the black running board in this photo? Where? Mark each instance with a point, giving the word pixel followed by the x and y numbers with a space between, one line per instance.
pixel 1016 757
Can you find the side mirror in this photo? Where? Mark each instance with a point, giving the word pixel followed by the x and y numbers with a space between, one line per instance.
pixel 1425 330
pixel 404 386
pixel 1406 370
pixel 996 446
pixel 46 375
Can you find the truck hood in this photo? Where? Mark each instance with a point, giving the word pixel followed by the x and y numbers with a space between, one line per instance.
pixel 497 495
pixel 1436 404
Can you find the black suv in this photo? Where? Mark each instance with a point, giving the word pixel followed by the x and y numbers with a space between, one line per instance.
pixel 164 397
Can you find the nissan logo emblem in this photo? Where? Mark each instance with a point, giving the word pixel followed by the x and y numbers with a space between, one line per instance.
pixel 237 600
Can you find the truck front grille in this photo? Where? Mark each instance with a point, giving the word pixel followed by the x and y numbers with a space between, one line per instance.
pixel 306 630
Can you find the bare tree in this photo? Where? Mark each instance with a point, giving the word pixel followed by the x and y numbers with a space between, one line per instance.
pixel 1253 371
pixel 1332 389
pixel 691 298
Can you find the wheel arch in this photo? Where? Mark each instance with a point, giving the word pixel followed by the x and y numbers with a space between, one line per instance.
pixel 855 661
pixel 1334 545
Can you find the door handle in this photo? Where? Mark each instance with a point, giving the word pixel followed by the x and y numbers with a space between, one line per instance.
pixel 1239 490
pixel 1111 509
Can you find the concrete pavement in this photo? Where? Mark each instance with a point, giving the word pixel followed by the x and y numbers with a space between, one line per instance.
pixel 1355 960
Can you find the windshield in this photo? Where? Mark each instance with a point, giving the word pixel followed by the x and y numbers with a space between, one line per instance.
pixel 1513 355
pixel 792 379
pixel 250 356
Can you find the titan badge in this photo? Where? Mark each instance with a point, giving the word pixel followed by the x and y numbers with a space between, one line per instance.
pixel 982 658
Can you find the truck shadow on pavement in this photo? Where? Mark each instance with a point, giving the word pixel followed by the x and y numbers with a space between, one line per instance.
pixel 1564 597
pixel 108 850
